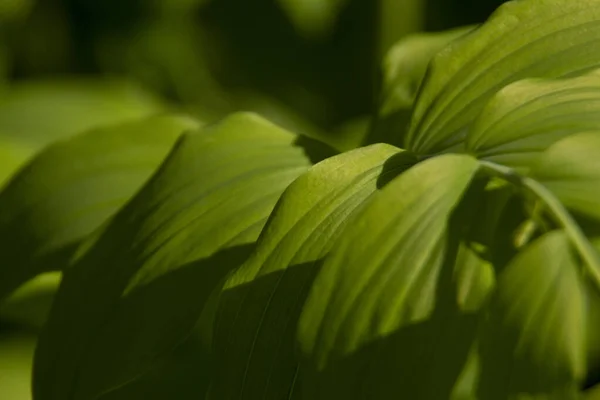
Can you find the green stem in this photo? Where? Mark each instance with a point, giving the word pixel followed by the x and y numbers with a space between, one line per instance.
pixel 557 211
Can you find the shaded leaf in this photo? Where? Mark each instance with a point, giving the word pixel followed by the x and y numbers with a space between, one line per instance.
pixel 404 68
pixel 146 279
pixel 529 38
pixel 533 342
pixel 71 188
pixel 12 156
pixel 405 65
pixel 262 300
pixel 30 304
pixel 37 113
pixel 312 18
pixel 593 393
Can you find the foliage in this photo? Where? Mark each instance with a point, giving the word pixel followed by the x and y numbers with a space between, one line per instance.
pixel 446 249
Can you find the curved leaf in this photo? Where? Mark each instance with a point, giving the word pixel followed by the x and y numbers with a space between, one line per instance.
pixel 526 117
pixel 372 323
pixel 533 342
pixel 39 112
pixel 404 68
pixel 30 304
pixel 571 170
pixel 262 300
pixel 405 65
pixel 527 38
pixel 71 188
pixel 145 280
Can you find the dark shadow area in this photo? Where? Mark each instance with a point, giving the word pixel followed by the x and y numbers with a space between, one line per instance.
pixel 449 14
pixel 390 129
pixel 394 166
pixel 146 332
pixel 263 316
pixel 315 150
pixel 18 266
pixel 340 68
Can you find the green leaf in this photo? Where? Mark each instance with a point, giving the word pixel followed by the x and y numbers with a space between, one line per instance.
pixel 71 188
pixel 12 156
pixel 37 113
pixel 404 68
pixel 312 18
pixel 570 169
pixel 533 341
pixel 15 365
pixel 522 39
pixel 405 65
pixel 30 304
pixel 262 300
pixel 15 9
pixel 593 393
pixel 526 117
pixel 146 279
pixel 371 325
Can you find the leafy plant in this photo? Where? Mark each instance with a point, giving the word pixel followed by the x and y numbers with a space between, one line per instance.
pixel 453 255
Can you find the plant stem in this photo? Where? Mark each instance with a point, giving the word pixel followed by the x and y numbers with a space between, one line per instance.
pixel 557 211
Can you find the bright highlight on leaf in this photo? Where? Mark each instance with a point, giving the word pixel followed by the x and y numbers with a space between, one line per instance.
pixel 261 302
pixel 148 275
pixel 238 260
pixel 523 39
pixel 524 118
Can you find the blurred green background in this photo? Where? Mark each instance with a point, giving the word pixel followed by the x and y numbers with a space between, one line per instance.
pixel 311 66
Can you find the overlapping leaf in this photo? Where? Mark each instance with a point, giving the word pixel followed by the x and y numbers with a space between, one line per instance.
pixel 372 323
pixel 139 289
pixel 403 70
pixel 526 117
pixel 533 342
pixel 71 188
pixel 261 301
pixel 571 170
pixel 528 38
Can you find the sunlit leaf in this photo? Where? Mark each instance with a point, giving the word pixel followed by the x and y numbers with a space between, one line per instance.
pixel 526 117
pixel 371 324
pixel 71 188
pixel 571 170
pixel 261 301
pixel 145 280
pixel 529 38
